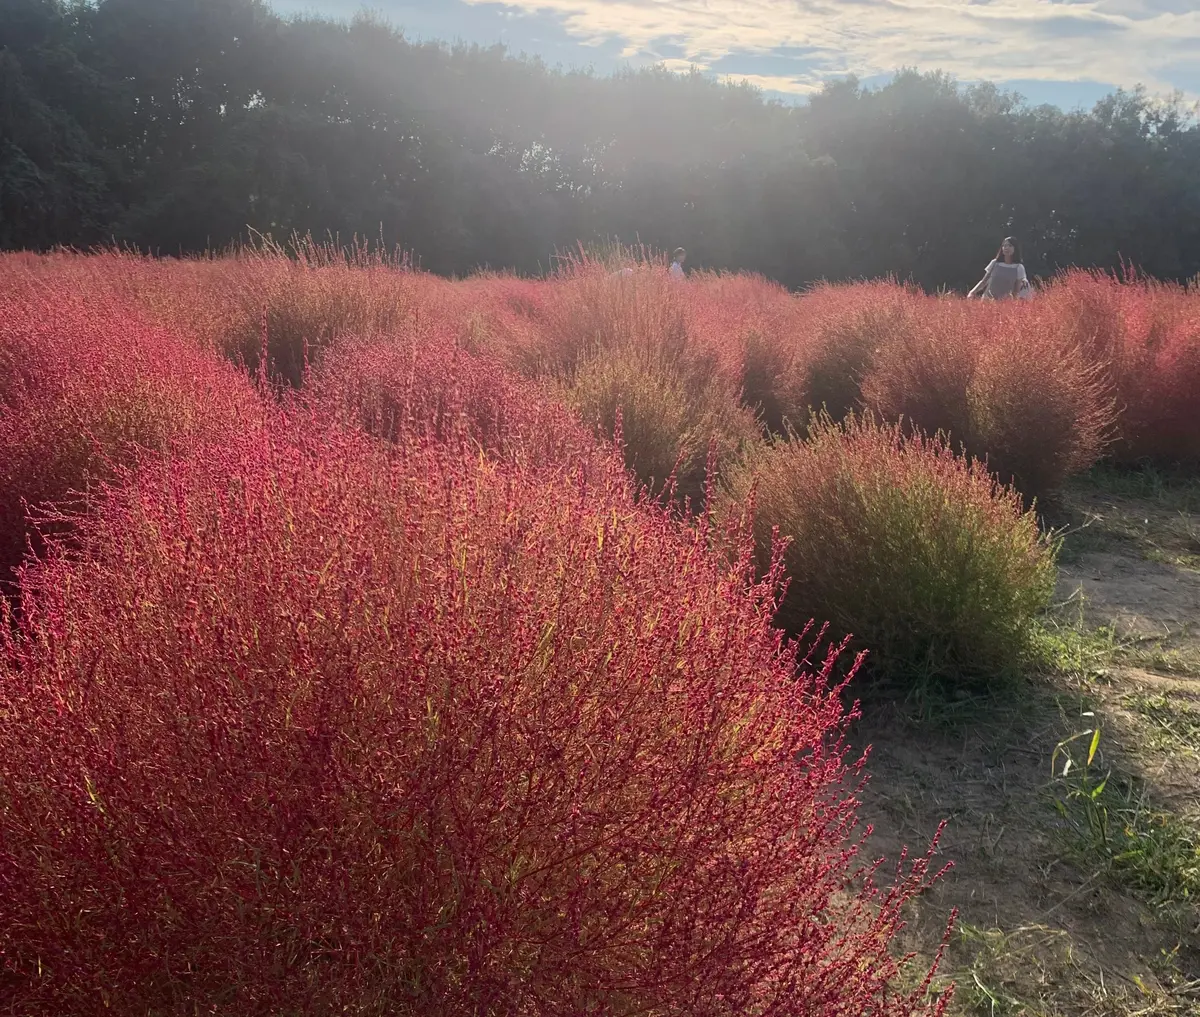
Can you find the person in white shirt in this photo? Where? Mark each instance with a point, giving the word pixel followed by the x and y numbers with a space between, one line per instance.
pixel 1005 277
pixel 677 260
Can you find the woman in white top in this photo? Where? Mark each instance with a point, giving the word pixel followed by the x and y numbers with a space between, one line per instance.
pixel 677 260
pixel 1005 277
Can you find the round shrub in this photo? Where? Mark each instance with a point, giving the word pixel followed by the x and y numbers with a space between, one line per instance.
pixel 291 303
pixel 632 349
pixel 588 312
pixel 85 385
pixel 312 726
pixel 1006 382
pixel 668 422
pixel 421 385
pixel 841 329
pixel 1039 410
pixel 922 374
pixel 1159 423
pixel 750 324
pixel 921 556
pixel 1142 338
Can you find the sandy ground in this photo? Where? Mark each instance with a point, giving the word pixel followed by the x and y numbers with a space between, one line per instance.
pixel 1139 598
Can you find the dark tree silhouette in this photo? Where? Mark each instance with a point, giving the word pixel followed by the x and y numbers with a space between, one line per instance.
pixel 181 125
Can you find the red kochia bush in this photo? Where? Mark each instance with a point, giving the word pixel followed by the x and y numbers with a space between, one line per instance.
pixel 1160 422
pixel 1003 380
pixel 840 332
pixel 306 729
pixel 84 383
pixel 1040 411
pixel 922 374
pixel 1144 338
pixel 422 385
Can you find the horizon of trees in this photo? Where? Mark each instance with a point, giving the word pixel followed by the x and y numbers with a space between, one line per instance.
pixel 179 126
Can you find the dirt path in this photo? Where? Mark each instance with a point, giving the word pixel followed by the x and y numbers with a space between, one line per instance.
pixel 1141 599
pixel 1037 927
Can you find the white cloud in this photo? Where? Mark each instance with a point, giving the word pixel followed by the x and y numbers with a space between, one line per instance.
pixel 794 84
pixel 1115 41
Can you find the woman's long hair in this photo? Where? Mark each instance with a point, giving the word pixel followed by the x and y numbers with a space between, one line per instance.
pixel 1016 251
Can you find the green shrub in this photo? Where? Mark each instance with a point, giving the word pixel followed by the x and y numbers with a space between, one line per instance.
pixel 919 555
pixel 668 421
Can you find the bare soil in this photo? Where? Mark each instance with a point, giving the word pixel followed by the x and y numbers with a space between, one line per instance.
pixel 1139 598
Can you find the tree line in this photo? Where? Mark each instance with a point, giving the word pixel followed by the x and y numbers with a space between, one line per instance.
pixel 180 125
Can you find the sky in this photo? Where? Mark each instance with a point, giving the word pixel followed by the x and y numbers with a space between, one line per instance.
pixel 1066 52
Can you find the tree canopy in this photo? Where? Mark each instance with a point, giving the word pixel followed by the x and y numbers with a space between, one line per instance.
pixel 180 125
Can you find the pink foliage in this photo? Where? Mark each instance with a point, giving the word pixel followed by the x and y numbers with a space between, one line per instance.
pixel 85 383
pixel 314 725
pixel 1144 336
pixel 424 385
